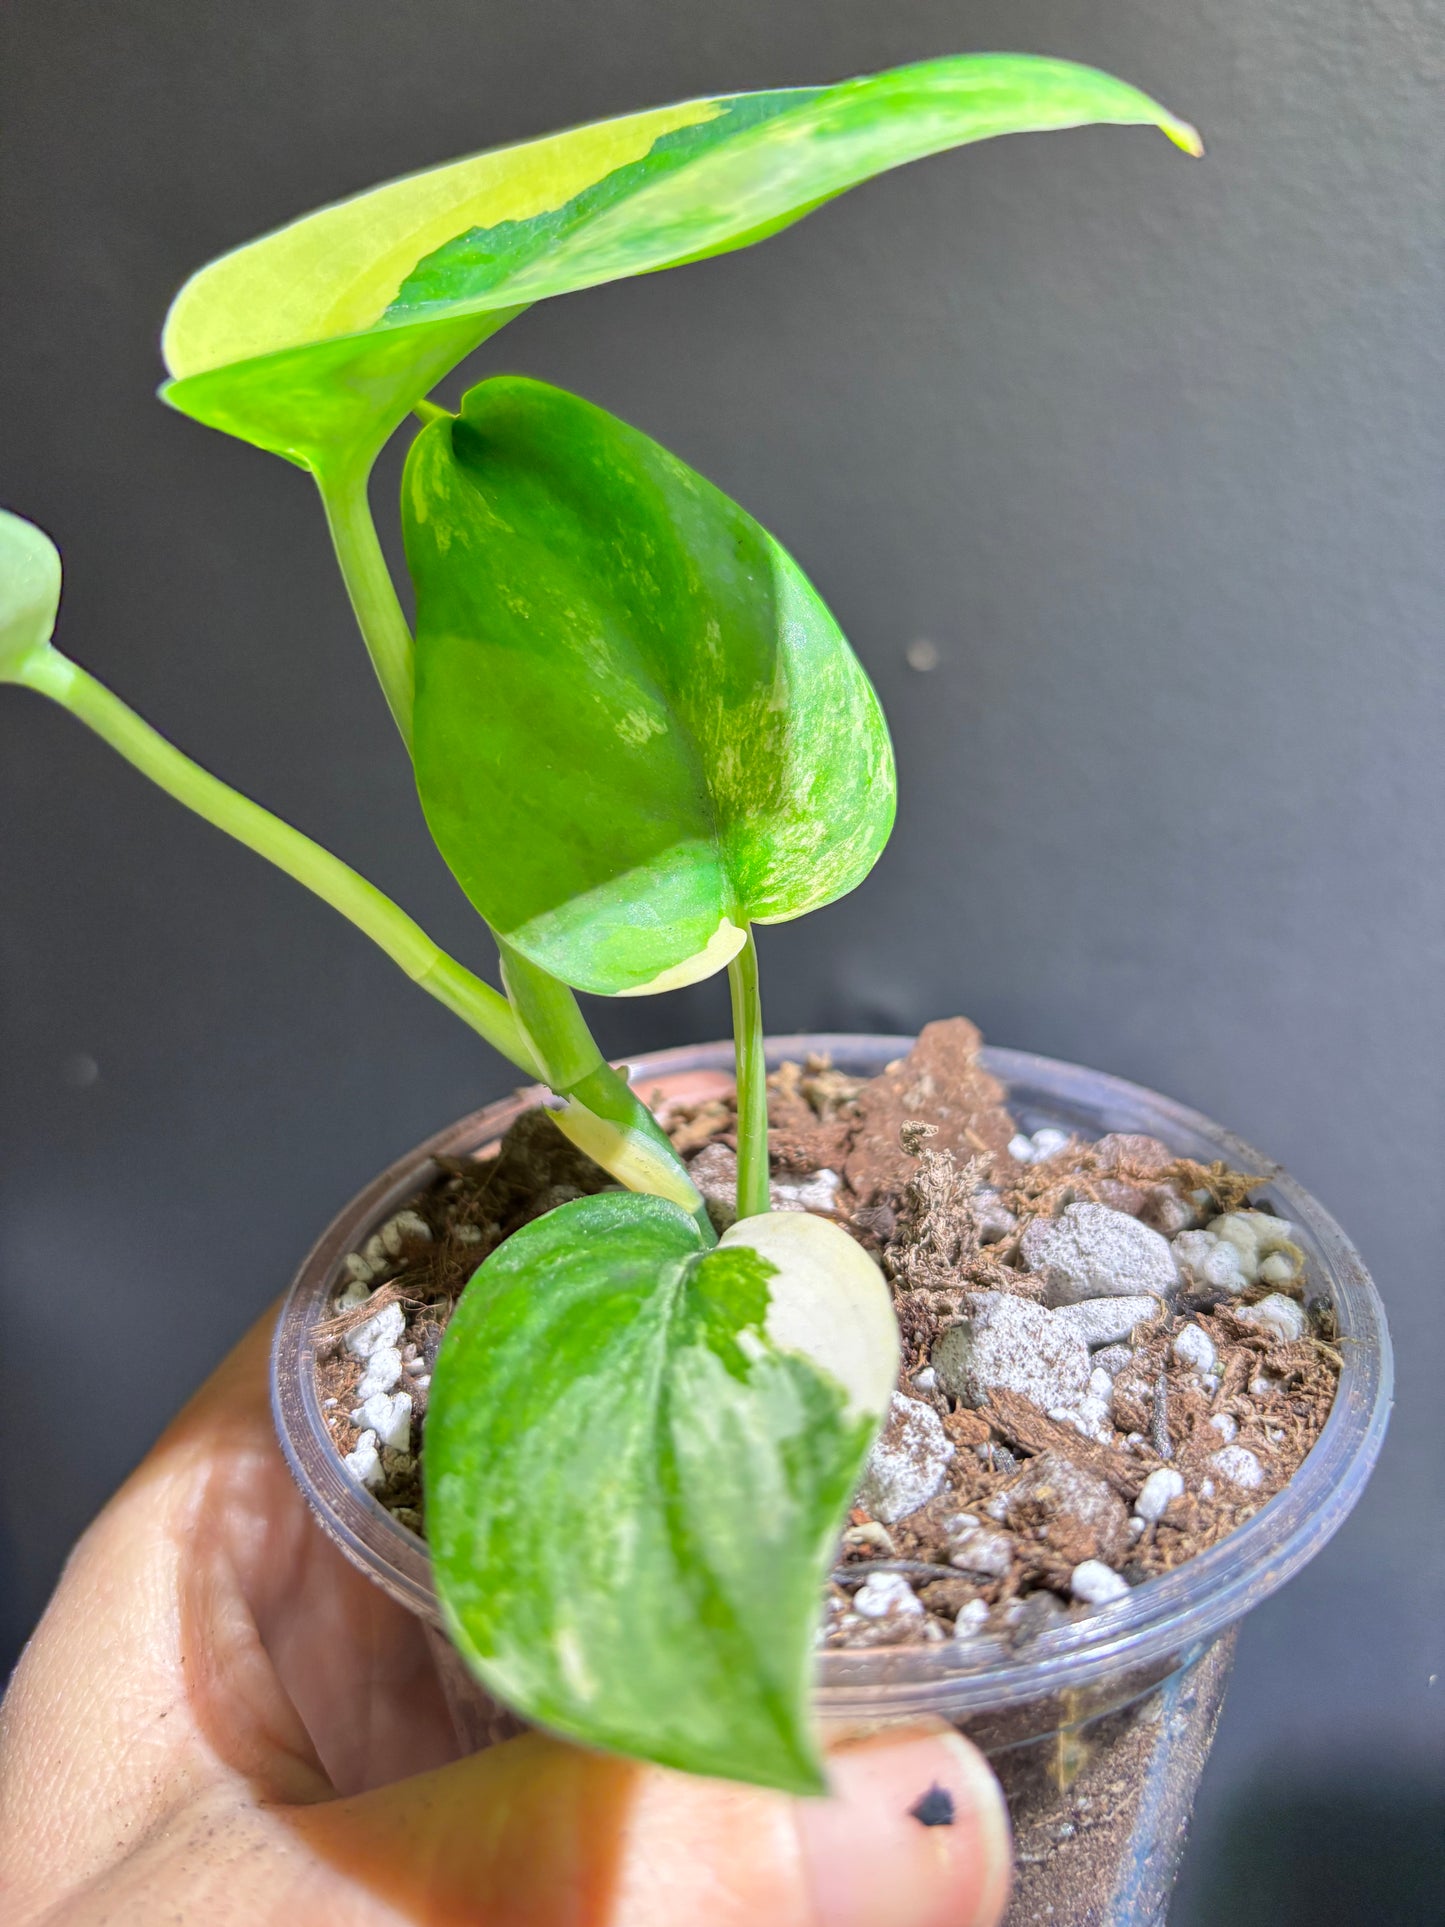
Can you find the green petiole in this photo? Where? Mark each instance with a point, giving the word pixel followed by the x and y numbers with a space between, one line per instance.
pixel 754 1195
pixel 52 674
pixel 602 1115
pixel 368 582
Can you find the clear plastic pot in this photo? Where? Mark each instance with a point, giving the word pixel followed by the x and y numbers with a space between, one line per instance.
pixel 1098 1729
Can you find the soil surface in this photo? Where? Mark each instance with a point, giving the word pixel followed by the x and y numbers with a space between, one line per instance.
pixel 1110 1358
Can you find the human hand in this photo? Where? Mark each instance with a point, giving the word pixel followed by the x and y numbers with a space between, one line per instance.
pixel 219 1721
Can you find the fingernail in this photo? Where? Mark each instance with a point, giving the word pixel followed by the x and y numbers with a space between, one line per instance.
pixel 915 1835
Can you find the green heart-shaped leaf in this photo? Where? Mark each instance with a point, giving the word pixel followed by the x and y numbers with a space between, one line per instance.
pixel 29 592
pixel 316 340
pixel 636 1473
pixel 637 726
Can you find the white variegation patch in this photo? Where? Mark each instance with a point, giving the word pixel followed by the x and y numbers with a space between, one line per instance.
pixel 827 1301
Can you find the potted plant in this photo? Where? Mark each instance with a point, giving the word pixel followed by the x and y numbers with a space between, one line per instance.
pixel 637 733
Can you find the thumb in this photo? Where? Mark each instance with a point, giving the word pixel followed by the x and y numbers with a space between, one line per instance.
pixel 916 1835
pixel 536 1833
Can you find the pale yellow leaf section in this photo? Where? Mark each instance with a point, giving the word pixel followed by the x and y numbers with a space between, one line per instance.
pixel 29 590
pixel 335 272
pixel 627 1155
pixel 720 949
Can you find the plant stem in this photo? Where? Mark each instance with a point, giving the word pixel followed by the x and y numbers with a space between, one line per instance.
pixel 406 943
pixel 369 584
pixel 754 1195
pixel 603 1115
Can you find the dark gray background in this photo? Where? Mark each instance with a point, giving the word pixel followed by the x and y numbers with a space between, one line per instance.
pixel 1151 451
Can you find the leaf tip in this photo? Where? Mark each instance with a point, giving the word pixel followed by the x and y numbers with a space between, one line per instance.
pixel 1185 137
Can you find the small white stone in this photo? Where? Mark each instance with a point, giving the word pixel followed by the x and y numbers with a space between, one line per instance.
pixel 1274 1434
pixel 1048 1142
pixel 1158 1493
pixel 1210 1260
pixel 1137 1527
pixel 423 1380
pixel 871 1534
pixel 1239 1465
pixel 467 1234
pixel 818 1192
pixel 1097 1584
pixel 1021 1148
pixel 1191 1248
pixel 1278 1317
pixel 388 1418
pixel 1112 1359
pixel 1134 1438
pixel 1089 1418
pixel 383 1369
pixel 887 1595
pixel 405 1227
pixel 1095 1252
pixel 1206 1488
pixel 1262 1387
pixel 1225 1269
pixel 1108 1321
pixel 375 1254
pixel 1097 1418
pixel 1282 1267
pixel 1101 1386
pixel 1006 1343
pixel 980 1551
pixel 907 1463
pixel 356 1293
pixel 1254 1234
pixel 1193 1346
pixel 1226 1425
pixel 327 1403
pixel 971 1620
pixel 385 1329
pixel 1070 1415
pixel 363 1462
pixel 926 1380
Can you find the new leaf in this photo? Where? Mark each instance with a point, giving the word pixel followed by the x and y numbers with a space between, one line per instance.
pixel 29 593
pixel 637 726
pixel 637 1470
pixel 315 341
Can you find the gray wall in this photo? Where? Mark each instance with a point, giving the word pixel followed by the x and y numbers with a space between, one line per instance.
pixel 1151 451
